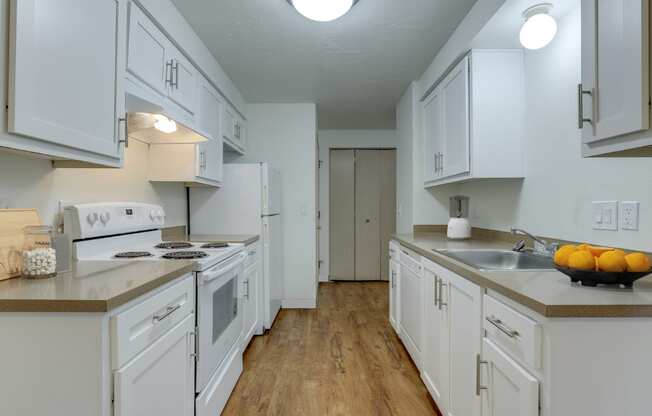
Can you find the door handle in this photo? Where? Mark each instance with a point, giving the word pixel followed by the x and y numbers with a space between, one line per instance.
pixel 126 131
pixel 436 283
pixel 367 221
pixel 441 287
pixel 502 327
pixel 478 386
pixel 580 106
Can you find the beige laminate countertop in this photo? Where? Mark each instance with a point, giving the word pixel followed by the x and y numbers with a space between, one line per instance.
pixel 245 239
pixel 92 286
pixel 549 293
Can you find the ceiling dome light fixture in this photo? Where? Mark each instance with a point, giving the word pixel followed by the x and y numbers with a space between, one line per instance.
pixel 539 28
pixel 323 10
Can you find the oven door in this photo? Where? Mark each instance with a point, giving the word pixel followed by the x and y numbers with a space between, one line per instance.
pixel 219 315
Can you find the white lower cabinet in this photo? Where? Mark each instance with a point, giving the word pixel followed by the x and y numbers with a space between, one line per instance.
pixel 251 294
pixel 508 389
pixel 453 334
pixel 161 380
pixel 394 298
pixel 411 313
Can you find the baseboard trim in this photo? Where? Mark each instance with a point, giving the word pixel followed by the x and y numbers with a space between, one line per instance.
pixel 299 303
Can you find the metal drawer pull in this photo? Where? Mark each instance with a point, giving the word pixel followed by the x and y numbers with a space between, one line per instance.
pixel 126 139
pixel 502 327
pixel 393 278
pixel 169 311
pixel 478 386
pixel 246 282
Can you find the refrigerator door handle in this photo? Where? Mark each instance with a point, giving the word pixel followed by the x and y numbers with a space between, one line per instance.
pixel 269 215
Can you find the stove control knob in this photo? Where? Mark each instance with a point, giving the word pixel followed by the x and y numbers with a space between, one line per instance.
pixel 92 218
pixel 105 217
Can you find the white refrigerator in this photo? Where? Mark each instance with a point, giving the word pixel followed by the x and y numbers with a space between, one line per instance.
pixel 248 203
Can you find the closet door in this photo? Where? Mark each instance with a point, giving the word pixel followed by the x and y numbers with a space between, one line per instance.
pixel 342 214
pixel 367 214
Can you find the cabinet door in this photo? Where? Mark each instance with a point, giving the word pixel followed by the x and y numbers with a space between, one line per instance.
pixel 209 160
pixel 411 310
pixel 394 269
pixel 161 380
pixel 435 364
pixel 250 315
pixel 147 51
pixel 67 73
pixel 227 124
pixel 511 391
pixel 184 82
pixel 432 135
pixel 615 65
pixel 462 301
pixel 456 121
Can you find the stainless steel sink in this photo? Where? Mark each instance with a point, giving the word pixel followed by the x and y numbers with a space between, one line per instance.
pixel 496 260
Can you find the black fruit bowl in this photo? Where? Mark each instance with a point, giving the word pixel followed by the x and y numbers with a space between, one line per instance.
pixel 593 278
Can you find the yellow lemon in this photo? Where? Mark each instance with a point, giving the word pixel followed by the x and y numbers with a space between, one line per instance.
pixel 637 262
pixel 613 261
pixel 561 255
pixel 581 260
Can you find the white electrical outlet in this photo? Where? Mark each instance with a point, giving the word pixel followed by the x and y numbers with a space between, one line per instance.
pixel 605 215
pixel 629 215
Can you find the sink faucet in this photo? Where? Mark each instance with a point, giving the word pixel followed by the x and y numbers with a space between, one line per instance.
pixel 541 246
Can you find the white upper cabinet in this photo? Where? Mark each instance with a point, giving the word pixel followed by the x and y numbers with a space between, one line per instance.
pixel 614 96
pixel 147 52
pixel 233 129
pixel 158 72
pixel 183 85
pixel 472 119
pixel 66 82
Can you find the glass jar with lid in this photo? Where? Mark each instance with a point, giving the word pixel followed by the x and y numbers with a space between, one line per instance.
pixel 39 255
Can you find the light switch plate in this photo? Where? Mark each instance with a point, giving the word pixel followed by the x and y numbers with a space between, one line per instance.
pixel 605 215
pixel 629 215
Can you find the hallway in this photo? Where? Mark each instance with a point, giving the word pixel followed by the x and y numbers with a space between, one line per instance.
pixel 341 359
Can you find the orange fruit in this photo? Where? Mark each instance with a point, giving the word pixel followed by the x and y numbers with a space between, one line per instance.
pixel 581 260
pixel 583 246
pixel 637 262
pixel 612 261
pixel 562 254
pixel 597 251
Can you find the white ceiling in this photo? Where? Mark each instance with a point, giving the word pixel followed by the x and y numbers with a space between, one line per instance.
pixel 355 68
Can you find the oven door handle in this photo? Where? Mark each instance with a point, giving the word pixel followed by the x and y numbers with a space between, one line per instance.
pixel 231 264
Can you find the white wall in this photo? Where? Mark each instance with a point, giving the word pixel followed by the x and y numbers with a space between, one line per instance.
pixel 555 198
pixel 26 182
pixel 404 164
pixel 348 139
pixel 285 136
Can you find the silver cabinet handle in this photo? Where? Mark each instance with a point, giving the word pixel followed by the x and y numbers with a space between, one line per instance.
pixel 436 284
pixel 126 131
pixel 246 282
pixel 478 386
pixel 169 311
pixel 393 276
pixel 441 291
pixel 441 163
pixel 175 75
pixel 169 68
pixel 580 106
pixel 502 327
pixel 436 157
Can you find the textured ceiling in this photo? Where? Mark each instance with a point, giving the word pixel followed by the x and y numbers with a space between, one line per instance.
pixel 355 68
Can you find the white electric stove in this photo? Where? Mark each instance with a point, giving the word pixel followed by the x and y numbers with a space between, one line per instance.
pixel 126 231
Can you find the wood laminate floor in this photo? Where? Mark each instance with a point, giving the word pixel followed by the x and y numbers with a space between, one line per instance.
pixel 340 359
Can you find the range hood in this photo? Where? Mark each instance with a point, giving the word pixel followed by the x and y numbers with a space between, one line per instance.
pixel 142 118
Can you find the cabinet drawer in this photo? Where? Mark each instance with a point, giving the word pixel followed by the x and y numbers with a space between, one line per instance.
pixel 514 332
pixel 136 328
pixel 253 254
